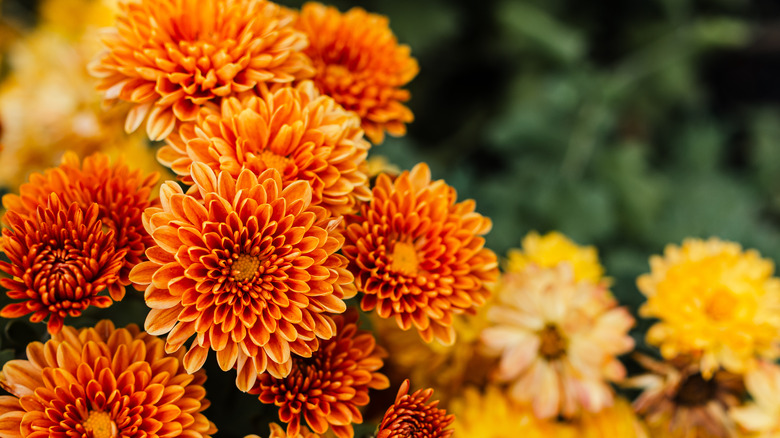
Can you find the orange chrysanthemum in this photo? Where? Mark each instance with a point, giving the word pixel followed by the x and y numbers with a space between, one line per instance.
pixel 327 388
pixel 360 64
pixel 303 135
pixel 170 57
pixel 417 255
pixel 412 416
pixel 102 382
pixel 247 266
pixel 60 260
pixel 278 432
pixel 121 196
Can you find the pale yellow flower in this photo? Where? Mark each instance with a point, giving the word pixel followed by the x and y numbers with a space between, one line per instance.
pixel 553 248
pixel 761 417
pixel 715 302
pixel 558 340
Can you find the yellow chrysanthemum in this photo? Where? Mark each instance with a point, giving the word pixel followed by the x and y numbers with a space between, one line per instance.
pixel 553 248
pixel 715 302
pixel 618 420
pixel 493 415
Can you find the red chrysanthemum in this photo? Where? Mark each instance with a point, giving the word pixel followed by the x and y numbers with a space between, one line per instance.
pixel 170 57
pixel 247 266
pixel 303 135
pixel 327 388
pixel 361 65
pixel 121 196
pixel 418 256
pixel 102 382
pixel 60 260
pixel 412 416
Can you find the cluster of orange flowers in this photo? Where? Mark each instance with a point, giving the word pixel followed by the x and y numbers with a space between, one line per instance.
pixel 266 114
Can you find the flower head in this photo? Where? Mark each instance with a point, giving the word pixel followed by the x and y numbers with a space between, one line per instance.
pixel 553 248
pixel 360 64
pixel 60 260
pixel 761 417
pixel 102 382
pixel 121 196
pixel 418 256
pixel 171 57
pixel 618 420
pixel 413 415
pixel 248 266
pixel 327 388
pixel 679 402
pixel 558 340
pixel 296 131
pixel 715 302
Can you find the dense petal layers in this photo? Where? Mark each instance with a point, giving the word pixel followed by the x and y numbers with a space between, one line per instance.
pixel 715 302
pixel 327 389
pixel 417 255
pixel 413 416
pixel 303 135
pixel 171 57
pixel 558 340
pixel 102 382
pixel 60 260
pixel 121 196
pixel 360 64
pixel 247 266
pixel 553 248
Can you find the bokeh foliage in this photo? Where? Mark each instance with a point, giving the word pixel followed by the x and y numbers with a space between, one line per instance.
pixel 624 124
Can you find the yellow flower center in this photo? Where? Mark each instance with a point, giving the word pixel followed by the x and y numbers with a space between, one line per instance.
pixel 552 344
pixel 404 259
pixel 245 267
pixel 721 305
pixel 99 425
pixel 275 161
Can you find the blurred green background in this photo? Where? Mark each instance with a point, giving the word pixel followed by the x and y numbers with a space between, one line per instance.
pixel 626 125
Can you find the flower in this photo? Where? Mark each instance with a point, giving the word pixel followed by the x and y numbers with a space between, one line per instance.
pixel 278 432
pixel 553 248
pixel 359 63
pixel 327 388
pixel 412 415
pixel 102 382
pixel 171 57
pixel 715 302
pixel 761 417
pixel 60 260
pixel 618 420
pixel 418 256
pixel 121 195
pixel 557 339
pixel 247 266
pixel 679 402
pixel 301 134
pixel 490 414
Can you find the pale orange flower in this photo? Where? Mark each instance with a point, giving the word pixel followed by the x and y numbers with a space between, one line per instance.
pixel 60 260
pixel 102 382
pixel 248 266
pixel 121 196
pixel 303 135
pixel 413 416
pixel 170 57
pixel 360 64
pixel 327 388
pixel 418 256
pixel 558 340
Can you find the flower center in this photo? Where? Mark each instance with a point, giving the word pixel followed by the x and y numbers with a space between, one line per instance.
pixel 99 425
pixel 552 345
pixel 721 305
pixel 404 259
pixel 695 391
pixel 275 161
pixel 245 267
